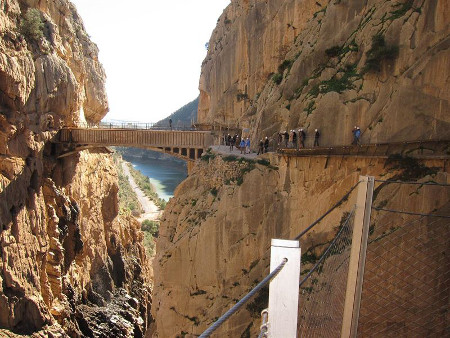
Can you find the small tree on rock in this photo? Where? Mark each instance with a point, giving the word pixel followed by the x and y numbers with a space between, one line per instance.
pixel 32 26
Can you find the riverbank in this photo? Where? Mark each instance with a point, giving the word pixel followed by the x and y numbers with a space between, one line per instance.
pixel 151 210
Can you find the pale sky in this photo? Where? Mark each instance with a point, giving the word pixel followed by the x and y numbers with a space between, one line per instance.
pixel 152 52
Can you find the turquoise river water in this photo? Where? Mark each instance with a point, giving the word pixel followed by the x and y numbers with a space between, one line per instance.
pixel 165 175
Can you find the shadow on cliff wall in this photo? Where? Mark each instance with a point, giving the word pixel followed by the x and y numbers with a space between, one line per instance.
pixel 20 193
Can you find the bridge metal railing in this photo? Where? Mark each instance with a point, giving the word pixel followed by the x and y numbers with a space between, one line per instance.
pixel 135 125
pixel 137 138
pixel 408 148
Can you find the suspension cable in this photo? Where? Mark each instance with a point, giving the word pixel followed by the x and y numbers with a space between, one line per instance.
pixel 243 300
pixel 328 249
pixel 325 214
pixel 409 212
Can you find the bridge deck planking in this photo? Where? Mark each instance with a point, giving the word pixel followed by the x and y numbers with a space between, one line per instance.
pixel 127 137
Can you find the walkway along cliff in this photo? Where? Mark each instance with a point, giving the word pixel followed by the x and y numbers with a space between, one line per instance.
pixel 280 65
pixel 70 264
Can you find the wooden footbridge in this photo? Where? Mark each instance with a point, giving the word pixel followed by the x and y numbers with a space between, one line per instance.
pixel 190 144
pixel 185 144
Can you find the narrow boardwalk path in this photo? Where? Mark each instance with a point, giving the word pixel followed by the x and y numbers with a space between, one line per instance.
pixel 151 210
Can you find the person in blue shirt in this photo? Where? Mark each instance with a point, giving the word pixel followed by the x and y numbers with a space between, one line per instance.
pixel 357 135
pixel 242 146
pixel 247 146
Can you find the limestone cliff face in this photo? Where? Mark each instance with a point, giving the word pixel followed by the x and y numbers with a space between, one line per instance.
pixel 280 65
pixel 58 73
pixel 70 264
pixel 215 237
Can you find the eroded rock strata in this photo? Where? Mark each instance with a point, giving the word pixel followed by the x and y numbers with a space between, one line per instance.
pixel 279 65
pixel 70 264
pixel 215 235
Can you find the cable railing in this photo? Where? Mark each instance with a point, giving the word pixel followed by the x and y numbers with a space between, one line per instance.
pixel 135 125
pixel 243 300
pixel 328 252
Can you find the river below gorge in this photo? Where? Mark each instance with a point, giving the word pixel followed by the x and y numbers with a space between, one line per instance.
pixel 164 174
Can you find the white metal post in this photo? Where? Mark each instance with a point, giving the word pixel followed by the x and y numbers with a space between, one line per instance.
pixel 357 257
pixel 284 289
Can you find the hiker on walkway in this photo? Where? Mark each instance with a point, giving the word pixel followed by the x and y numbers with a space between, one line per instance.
pixel 228 139
pixel 247 146
pixel 291 137
pixel 286 139
pixel 301 137
pixel 266 145
pixel 316 137
pixel 170 124
pixel 357 135
pixel 232 140
pixel 294 139
pixel 280 139
pixel 261 147
pixel 242 146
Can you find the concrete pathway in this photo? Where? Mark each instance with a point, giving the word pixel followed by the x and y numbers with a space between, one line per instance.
pixel 151 210
pixel 225 150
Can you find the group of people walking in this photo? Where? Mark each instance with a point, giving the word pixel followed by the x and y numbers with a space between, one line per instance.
pixel 241 143
pixel 296 138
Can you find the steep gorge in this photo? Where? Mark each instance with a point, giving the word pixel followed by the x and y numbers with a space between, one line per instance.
pixel 70 264
pixel 279 65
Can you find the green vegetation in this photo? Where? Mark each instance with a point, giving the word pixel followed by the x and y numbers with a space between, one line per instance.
pixel 260 303
pixel 404 8
pixel 144 184
pixel 378 53
pixel 310 108
pixel 183 116
pixel 151 230
pixel 277 78
pixel 337 84
pixel 338 50
pixel 309 257
pixel 128 202
pixel 32 26
pixel 214 191
pixel 333 51
pixel 241 96
pixel 209 155
pixel 412 169
pixel 286 64
pixel 150 226
pixel 323 10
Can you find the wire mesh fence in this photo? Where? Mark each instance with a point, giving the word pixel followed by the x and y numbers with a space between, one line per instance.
pixel 322 294
pixel 406 283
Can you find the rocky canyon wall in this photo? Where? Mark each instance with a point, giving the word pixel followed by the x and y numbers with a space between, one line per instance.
pixel 70 264
pixel 280 65
pixel 215 235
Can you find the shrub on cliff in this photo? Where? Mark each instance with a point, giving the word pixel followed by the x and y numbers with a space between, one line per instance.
pixel 379 52
pixel 277 78
pixel 151 227
pixel 32 26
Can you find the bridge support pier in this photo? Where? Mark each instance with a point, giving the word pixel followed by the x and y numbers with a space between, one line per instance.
pixel 190 166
